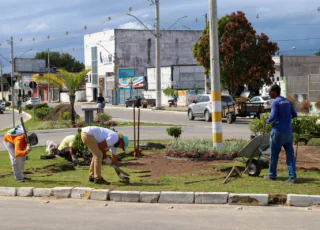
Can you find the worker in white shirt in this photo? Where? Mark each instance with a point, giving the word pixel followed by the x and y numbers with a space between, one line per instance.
pixel 98 139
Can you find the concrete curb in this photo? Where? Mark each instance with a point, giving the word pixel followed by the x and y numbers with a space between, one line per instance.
pixel 177 197
pixel 302 200
pixel 158 197
pixel 211 197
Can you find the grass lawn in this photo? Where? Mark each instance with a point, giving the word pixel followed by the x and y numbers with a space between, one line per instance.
pixel 209 180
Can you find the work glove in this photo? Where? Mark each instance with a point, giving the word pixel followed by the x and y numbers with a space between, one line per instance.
pixel 28 148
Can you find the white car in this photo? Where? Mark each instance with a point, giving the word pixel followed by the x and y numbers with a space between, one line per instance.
pixel 202 106
pixel 3 105
pixel 266 100
pixel 33 100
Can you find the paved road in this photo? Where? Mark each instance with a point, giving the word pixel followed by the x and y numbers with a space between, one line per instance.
pixel 6 119
pixel 33 213
pixel 166 117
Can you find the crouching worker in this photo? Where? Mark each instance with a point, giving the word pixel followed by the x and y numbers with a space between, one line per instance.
pixel 17 146
pixel 67 148
pixel 98 139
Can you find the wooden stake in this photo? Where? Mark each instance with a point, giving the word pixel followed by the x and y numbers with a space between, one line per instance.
pixel 138 147
pixel 234 169
pixel 134 132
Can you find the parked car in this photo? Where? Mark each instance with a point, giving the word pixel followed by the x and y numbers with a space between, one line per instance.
pixel 202 107
pixel 3 105
pixel 266 100
pixel 133 102
pixel 33 100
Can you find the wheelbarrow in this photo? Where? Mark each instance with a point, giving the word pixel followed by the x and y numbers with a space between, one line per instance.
pixel 256 151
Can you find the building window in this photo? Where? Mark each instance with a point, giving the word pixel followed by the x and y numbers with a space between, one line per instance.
pixel 149 51
pixel 94 59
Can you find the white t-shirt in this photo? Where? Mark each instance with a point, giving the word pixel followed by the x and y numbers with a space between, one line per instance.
pixel 101 134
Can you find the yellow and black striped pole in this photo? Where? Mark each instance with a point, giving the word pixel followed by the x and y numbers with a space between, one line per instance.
pixel 217 137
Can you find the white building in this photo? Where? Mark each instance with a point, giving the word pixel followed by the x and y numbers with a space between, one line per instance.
pixel 118 55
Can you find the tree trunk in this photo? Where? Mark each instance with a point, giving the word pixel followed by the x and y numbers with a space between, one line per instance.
pixel 72 100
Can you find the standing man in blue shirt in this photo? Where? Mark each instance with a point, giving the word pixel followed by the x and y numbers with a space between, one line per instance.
pixel 281 135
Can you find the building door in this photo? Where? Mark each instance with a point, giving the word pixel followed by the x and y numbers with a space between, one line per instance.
pixel 95 94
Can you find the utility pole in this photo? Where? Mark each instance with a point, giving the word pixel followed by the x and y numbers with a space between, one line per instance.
pixel 217 137
pixel 206 87
pixel 12 86
pixel 49 99
pixel 1 79
pixel 158 56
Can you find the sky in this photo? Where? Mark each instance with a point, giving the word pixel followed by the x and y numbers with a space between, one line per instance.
pixel 60 25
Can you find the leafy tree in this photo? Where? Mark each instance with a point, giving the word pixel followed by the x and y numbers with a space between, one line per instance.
pixel 317 53
pixel 63 61
pixel 245 56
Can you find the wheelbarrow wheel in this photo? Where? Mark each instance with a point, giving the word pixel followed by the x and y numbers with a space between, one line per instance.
pixel 254 168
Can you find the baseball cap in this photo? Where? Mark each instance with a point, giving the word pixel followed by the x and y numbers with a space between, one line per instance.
pixel 126 142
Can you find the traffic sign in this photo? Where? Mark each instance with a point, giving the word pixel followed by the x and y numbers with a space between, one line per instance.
pixel 32 85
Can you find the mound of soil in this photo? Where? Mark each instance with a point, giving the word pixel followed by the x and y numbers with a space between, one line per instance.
pixel 54 115
pixel 157 165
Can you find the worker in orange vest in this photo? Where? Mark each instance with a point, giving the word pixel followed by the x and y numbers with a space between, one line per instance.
pixel 18 147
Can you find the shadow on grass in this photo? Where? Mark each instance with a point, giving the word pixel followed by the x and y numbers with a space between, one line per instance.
pixel 300 180
pixel 130 163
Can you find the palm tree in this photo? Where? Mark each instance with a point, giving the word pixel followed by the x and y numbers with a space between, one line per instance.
pixel 71 81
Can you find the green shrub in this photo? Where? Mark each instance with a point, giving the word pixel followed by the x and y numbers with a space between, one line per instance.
pixel 199 147
pixel 314 142
pixel 43 112
pixel 80 146
pixel 65 116
pixel 43 105
pixel 105 117
pixel 174 132
pixel 29 107
pixel 8 104
pixel 257 125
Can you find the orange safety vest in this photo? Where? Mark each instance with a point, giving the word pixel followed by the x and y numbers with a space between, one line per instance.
pixel 19 143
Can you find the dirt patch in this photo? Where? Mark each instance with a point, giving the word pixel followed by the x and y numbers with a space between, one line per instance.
pixel 60 109
pixel 157 165
pixel 277 199
pixel 308 157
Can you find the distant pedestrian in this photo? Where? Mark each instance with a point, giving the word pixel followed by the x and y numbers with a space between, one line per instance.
pixel 175 100
pixel 281 135
pixel 19 105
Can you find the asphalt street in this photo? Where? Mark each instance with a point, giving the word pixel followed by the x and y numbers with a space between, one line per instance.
pixel 39 214
pixel 6 119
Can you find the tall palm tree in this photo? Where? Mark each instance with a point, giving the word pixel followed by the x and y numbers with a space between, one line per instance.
pixel 71 81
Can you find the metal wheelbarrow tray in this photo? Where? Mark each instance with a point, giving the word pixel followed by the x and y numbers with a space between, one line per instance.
pixel 254 151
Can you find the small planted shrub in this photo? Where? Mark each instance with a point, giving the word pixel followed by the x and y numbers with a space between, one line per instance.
pixel 43 112
pixel 305 106
pixel 317 105
pixel 174 132
pixel 257 126
pixel 64 116
pixel 104 117
pixel 29 107
pixel 8 104
pixel 43 105
pixel 203 149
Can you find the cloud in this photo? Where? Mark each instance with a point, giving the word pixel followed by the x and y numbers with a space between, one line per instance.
pixel 145 15
pixel 37 27
pixel 133 26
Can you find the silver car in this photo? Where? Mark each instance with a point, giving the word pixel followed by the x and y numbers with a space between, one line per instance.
pixel 266 100
pixel 202 107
